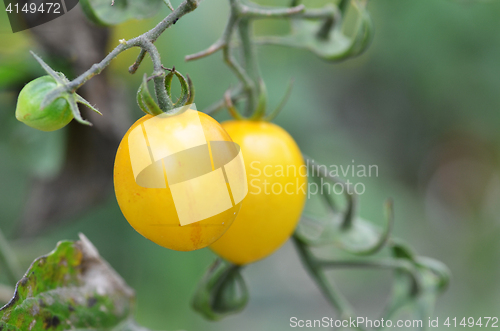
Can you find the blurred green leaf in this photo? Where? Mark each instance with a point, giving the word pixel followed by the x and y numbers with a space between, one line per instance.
pixel 361 237
pixel 342 228
pixel 70 288
pixel 420 292
pixel 101 12
pixel 222 291
pixel 331 44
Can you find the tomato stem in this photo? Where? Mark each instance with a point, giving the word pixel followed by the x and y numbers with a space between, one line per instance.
pixel 327 287
pixel 241 18
pixel 146 43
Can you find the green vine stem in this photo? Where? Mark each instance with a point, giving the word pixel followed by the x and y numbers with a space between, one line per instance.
pixel 402 265
pixel 250 63
pixel 241 18
pixel 327 287
pixel 146 43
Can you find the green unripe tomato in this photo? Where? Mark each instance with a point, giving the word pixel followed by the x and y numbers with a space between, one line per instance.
pixel 53 117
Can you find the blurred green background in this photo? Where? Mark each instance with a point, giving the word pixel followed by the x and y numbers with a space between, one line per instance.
pixel 423 103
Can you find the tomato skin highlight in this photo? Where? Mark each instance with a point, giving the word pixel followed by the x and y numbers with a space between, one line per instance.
pixel 265 221
pixel 151 211
pixel 53 117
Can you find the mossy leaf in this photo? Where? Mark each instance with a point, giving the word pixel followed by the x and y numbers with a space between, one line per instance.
pixel 71 288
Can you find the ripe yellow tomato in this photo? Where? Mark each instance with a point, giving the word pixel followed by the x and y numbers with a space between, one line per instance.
pixel 149 204
pixel 277 184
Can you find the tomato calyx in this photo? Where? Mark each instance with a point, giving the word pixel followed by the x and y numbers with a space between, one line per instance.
pixel 222 291
pixel 147 103
pixel 187 89
pixel 61 91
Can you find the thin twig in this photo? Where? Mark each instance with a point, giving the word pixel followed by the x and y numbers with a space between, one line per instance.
pixel 133 68
pixel 218 45
pixel 145 42
pixel 268 12
pixel 241 17
pixel 235 93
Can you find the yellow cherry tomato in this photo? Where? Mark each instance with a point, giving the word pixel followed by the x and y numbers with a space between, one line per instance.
pixel 277 184
pixel 147 199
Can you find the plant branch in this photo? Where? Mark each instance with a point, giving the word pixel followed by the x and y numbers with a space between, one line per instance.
pixel 327 12
pixel 224 44
pixel 164 101
pixel 314 268
pixel 235 95
pixel 145 42
pixel 398 264
pixel 256 12
pixel 250 63
pixel 133 68
pixel 241 17
pixel 327 287
pixel 218 45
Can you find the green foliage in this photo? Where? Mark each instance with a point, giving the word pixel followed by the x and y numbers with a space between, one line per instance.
pixel 70 288
pixel 361 235
pixel 428 279
pixel 101 12
pixel 221 292
pixel 326 38
pixel 418 281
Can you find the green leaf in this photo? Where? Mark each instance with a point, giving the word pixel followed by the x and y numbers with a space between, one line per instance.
pixel 222 291
pixel 336 46
pixel 71 288
pixel 342 228
pixel 401 250
pixel 432 277
pixel 360 238
pixel 101 12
